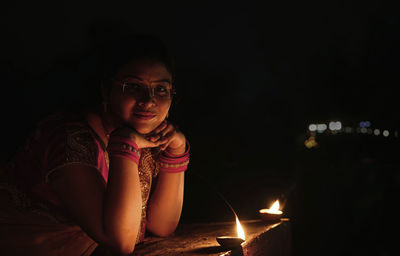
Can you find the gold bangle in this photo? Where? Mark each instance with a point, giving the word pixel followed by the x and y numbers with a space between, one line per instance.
pixel 174 165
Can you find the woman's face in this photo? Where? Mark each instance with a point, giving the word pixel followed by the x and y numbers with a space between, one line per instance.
pixel 140 95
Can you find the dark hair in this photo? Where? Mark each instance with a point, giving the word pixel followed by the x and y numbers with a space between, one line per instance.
pixel 117 52
pixel 109 51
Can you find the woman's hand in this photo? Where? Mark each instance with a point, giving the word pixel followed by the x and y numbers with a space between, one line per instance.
pixel 140 140
pixel 168 137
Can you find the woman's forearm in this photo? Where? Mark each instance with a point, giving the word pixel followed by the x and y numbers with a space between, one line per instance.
pixel 109 214
pixel 165 206
pixel 123 203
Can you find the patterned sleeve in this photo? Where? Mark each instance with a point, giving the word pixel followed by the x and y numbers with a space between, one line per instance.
pixel 71 144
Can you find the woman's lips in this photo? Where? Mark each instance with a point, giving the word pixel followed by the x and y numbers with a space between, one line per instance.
pixel 144 115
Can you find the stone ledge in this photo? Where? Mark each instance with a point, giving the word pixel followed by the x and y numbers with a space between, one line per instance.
pixel 200 239
pixel 275 240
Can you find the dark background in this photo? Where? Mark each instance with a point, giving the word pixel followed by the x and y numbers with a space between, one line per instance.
pixel 250 80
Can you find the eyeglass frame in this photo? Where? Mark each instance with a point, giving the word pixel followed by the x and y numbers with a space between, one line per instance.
pixel 150 89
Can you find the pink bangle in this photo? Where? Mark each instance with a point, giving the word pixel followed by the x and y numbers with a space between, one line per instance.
pixel 174 163
pixel 121 146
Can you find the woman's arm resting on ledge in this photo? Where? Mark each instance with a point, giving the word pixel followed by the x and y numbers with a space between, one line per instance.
pixel 166 202
pixel 110 215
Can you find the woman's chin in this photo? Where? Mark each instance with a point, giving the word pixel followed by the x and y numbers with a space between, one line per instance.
pixel 143 129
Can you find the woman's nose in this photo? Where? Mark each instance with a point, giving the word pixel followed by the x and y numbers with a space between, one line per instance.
pixel 147 98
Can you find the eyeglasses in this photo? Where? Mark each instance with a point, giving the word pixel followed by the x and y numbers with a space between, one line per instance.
pixel 160 92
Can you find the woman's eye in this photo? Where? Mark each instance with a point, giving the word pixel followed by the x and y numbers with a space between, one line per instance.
pixel 161 89
pixel 131 87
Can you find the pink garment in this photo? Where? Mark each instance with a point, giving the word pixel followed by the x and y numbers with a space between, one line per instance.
pixel 59 140
pixel 32 218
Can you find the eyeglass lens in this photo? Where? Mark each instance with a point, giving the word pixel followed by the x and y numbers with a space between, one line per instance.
pixel 137 90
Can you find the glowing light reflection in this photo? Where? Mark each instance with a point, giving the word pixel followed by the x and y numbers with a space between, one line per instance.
pixel 312 127
pixel 335 125
pixel 364 130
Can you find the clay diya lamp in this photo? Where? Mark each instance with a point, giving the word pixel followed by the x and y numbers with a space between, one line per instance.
pixel 273 214
pixel 231 242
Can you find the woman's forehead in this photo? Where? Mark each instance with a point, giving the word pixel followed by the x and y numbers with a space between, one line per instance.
pixel 145 70
pixel 132 78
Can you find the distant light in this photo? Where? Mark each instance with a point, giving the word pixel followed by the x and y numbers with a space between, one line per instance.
pixel 310 142
pixel 364 130
pixel 365 124
pixel 385 133
pixel 377 132
pixel 312 127
pixel 335 126
pixel 369 131
pixel 321 127
pixel 348 129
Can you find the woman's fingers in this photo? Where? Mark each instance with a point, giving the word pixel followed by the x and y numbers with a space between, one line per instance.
pixel 160 137
pixel 160 128
pixel 146 143
pixel 166 140
pixel 170 128
pixel 160 132
pixel 165 135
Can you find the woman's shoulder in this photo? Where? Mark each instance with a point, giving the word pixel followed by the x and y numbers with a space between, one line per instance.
pixel 68 140
pixel 59 140
pixel 66 126
pixel 71 133
pixel 62 138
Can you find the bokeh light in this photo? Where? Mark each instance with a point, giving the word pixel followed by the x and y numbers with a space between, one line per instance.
pixel 385 133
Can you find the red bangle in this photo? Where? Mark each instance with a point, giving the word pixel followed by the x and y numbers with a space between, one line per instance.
pixel 121 146
pixel 174 163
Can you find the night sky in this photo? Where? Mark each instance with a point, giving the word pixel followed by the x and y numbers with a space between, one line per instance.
pixel 250 80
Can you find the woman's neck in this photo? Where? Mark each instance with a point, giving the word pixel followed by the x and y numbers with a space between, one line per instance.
pixel 100 123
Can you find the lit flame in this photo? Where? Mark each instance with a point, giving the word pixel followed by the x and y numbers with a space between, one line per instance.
pixel 273 210
pixel 239 229
pixel 275 206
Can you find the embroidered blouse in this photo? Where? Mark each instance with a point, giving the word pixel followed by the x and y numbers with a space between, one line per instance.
pixel 58 141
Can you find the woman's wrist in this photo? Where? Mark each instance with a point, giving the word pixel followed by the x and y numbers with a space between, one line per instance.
pixel 177 150
pixel 125 147
pixel 174 163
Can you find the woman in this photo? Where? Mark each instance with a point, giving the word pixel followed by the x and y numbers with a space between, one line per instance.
pixel 104 176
